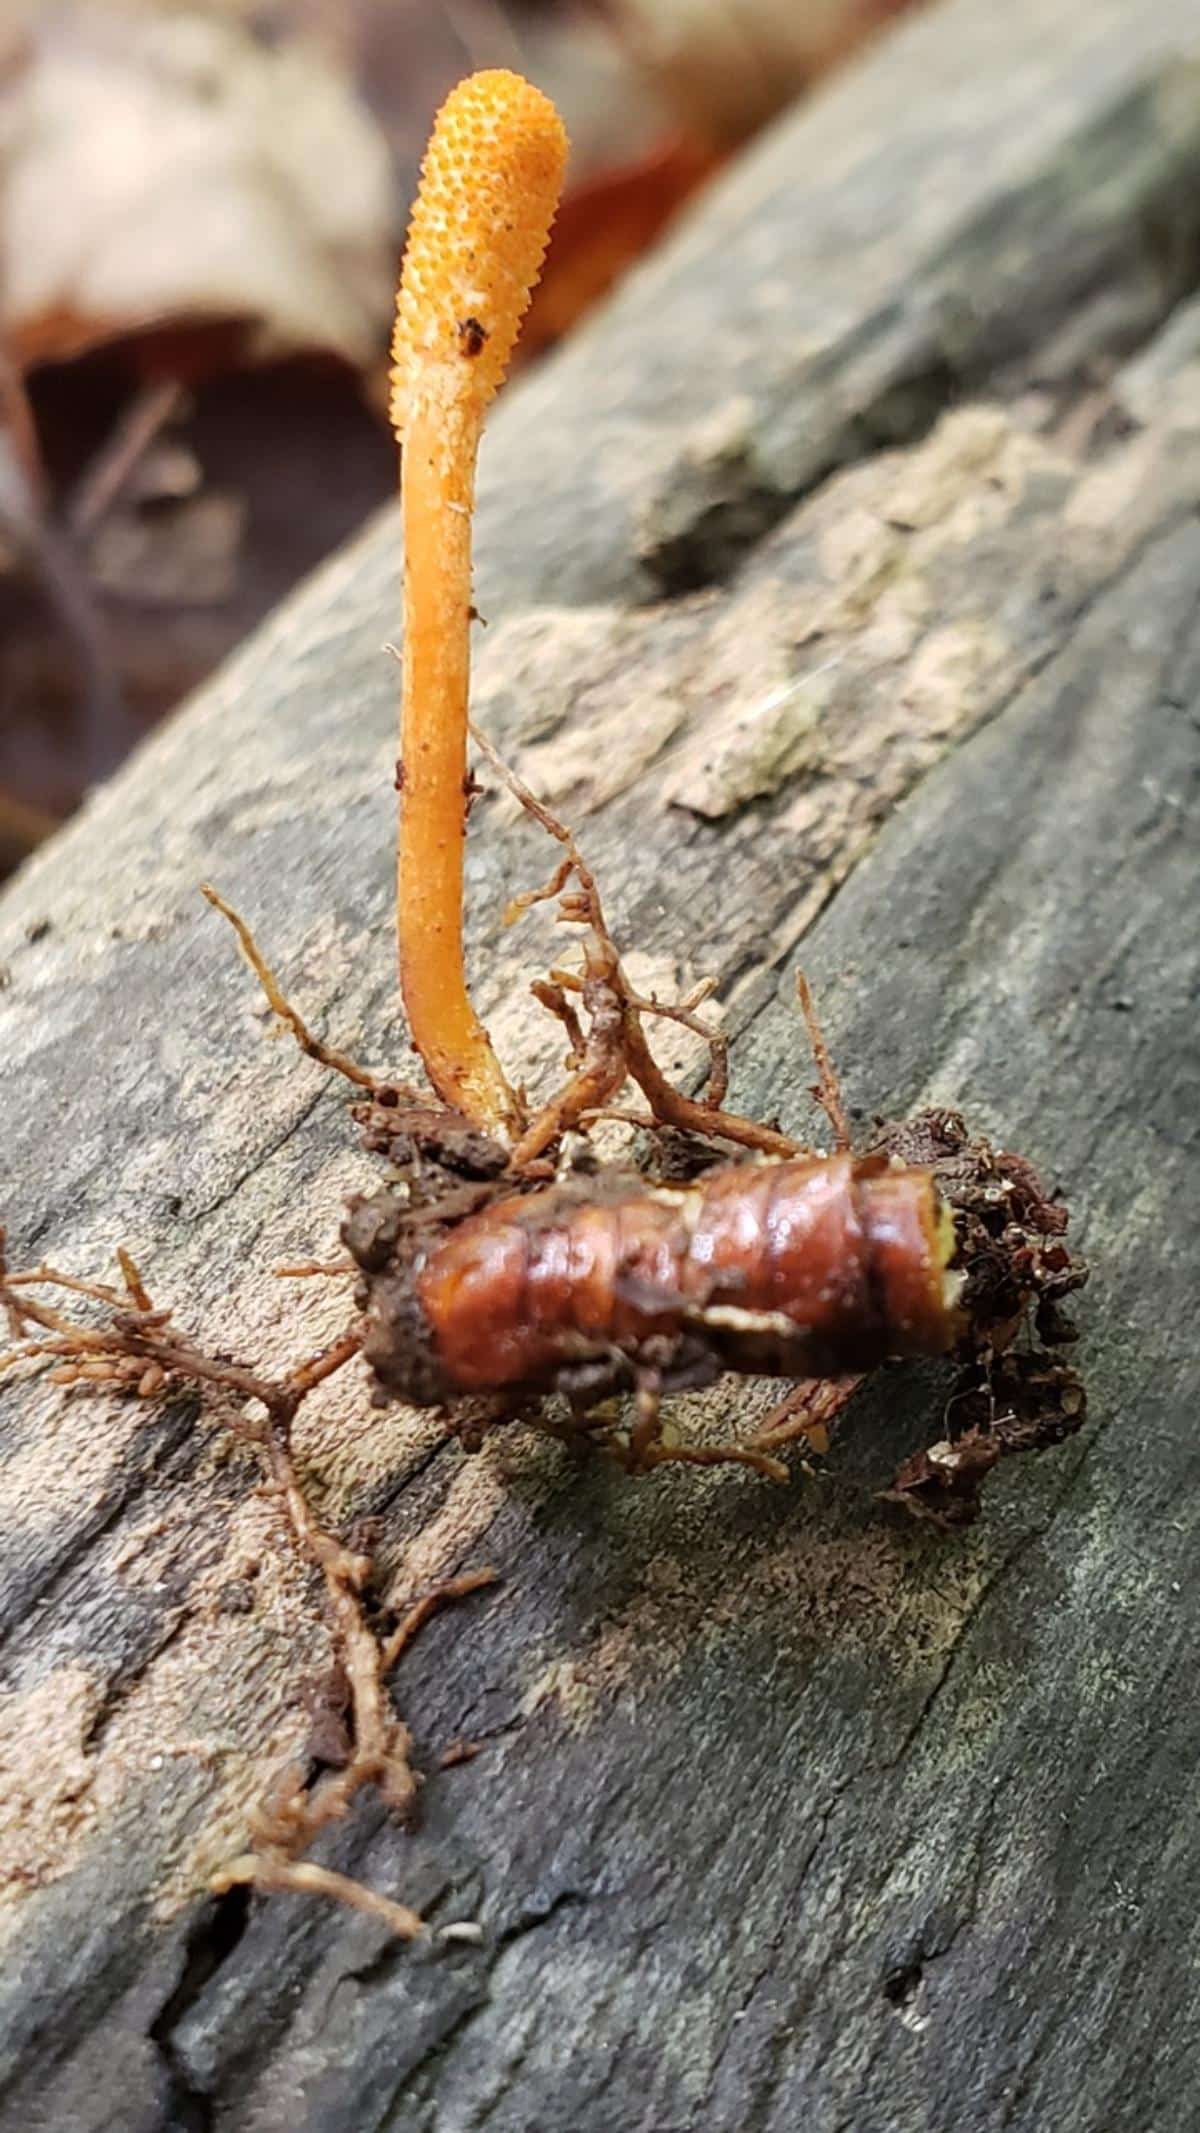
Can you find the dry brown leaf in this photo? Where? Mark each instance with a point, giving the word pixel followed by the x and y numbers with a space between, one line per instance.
pixel 603 226
pixel 726 66
pixel 168 167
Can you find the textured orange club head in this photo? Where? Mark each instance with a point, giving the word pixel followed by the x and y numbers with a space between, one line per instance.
pixel 490 183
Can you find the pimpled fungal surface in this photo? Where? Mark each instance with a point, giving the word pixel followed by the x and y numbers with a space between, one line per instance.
pixel 490 183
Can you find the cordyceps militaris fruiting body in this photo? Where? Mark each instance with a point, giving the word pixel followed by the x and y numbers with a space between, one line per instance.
pixel 489 188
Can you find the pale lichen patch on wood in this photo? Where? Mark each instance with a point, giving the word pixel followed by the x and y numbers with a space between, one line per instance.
pixel 46 1778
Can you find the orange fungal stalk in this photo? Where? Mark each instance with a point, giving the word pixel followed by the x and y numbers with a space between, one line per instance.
pixel 489 188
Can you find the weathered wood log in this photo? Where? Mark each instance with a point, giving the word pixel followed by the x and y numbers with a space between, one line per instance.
pixel 788 1811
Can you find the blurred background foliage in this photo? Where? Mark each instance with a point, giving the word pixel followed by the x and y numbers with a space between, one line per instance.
pixel 202 208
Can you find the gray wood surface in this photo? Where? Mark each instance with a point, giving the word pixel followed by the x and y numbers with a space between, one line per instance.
pixel 844 588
